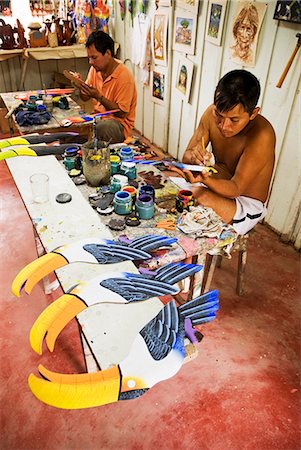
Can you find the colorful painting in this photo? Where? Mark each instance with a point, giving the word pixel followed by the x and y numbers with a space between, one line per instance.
pixel 189 5
pixel 184 77
pixel 246 25
pixel 215 21
pixel 185 25
pixel 288 11
pixel 159 36
pixel 5 8
pixel 159 85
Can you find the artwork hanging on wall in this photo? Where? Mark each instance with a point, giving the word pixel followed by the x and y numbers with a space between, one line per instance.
pixel 5 8
pixel 185 24
pixel 215 21
pixel 159 85
pixel 289 11
pixel 189 5
pixel 184 77
pixel 159 36
pixel 246 25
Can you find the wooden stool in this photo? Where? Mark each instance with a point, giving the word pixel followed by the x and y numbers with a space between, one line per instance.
pixel 240 245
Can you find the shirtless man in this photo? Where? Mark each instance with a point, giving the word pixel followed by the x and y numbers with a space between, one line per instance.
pixel 243 145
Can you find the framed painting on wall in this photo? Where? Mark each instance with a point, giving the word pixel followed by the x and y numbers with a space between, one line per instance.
pixel 159 85
pixel 246 25
pixel 189 5
pixel 5 8
pixel 159 36
pixel 185 24
pixel 215 21
pixel 184 77
pixel 289 11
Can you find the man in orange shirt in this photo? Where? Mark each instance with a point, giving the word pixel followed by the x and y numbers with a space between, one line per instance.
pixel 111 86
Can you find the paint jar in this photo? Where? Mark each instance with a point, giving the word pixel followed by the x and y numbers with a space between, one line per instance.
pixel 132 191
pixel 122 203
pixel 126 153
pixel 39 183
pixel 128 169
pixel 184 200
pixel 115 164
pixel 145 207
pixel 148 190
pixel 70 157
pixel 118 182
pixel 48 102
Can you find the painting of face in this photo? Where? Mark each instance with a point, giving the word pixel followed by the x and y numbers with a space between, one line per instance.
pixel 245 30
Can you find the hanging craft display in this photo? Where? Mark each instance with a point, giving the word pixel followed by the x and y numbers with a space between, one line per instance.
pixel 184 77
pixel 159 36
pixel 5 8
pixel 159 85
pixel 185 24
pixel 246 25
pixel 215 21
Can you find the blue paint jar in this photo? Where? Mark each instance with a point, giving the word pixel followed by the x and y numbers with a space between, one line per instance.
pixel 147 189
pixel 145 207
pixel 128 169
pixel 122 203
pixel 126 153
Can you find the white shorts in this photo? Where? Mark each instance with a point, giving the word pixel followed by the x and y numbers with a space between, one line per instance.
pixel 248 213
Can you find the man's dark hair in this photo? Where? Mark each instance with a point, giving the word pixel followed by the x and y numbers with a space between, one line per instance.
pixel 237 86
pixel 102 42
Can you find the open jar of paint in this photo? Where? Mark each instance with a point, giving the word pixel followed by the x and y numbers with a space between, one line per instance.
pixel 145 207
pixel 122 203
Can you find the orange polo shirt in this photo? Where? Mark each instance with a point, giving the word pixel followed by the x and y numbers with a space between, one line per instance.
pixel 120 88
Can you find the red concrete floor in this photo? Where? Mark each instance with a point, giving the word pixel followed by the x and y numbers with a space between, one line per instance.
pixel 241 392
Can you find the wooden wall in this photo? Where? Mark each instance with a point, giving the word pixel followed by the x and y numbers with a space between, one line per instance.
pixel 171 126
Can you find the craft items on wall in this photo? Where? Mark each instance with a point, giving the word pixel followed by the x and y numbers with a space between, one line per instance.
pixel 156 354
pixel 5 8
pixel 122 8
pixel 91 15
pixel 42 8
pixel 159 36
pixel 159 90
pixel 246 25
pixel 288 10
pixel 185 24
pixel 184 77
pixel 141 46
pixel 97 251
pixel 7 40
pixel 115 287
pixel 37 37
pixel 215 21
pixel 189 5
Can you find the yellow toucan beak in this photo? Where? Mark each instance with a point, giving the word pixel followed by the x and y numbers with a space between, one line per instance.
pixel 18 140
pixel 210 169
pixel 53 320
pixel 31 274
pixel 76 391
pixel 22 151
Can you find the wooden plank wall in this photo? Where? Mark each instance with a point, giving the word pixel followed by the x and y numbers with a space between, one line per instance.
pixel 171 126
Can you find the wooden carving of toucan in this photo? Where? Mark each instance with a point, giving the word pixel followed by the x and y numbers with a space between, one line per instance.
pixel 115 287
pixel 90 250
pixel 156 354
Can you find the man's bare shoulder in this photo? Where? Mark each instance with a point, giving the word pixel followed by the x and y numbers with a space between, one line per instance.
pixel 262 131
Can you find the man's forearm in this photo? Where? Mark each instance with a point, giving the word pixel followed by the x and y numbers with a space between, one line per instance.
pixel 225 188
pixel 84 97
pixel 109 106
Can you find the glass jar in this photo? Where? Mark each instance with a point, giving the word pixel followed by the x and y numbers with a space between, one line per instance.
pixel 122 203
pixel 145 207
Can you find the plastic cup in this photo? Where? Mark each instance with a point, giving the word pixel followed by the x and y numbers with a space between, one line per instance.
pixel 39 183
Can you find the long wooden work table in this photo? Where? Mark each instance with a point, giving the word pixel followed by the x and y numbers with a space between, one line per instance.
pixel 58 224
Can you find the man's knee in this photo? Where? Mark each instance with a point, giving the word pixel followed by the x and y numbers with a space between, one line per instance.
pixel 110 131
